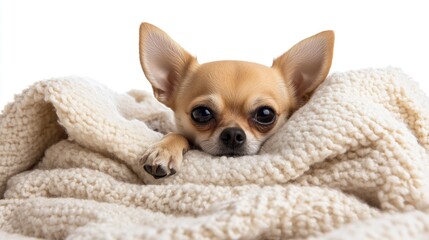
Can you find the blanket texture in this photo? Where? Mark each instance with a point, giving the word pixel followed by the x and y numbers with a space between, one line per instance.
pixel 353 163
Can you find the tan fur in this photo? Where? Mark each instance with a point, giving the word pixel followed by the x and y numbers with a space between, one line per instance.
pixel 233 90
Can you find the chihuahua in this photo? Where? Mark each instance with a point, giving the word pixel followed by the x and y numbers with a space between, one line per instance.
pixel 226 107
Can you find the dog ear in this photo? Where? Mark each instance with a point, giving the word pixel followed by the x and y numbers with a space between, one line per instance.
pixel 307 63
pixel 164 62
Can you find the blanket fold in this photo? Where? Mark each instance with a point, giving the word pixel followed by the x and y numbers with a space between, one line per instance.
pixel 353 162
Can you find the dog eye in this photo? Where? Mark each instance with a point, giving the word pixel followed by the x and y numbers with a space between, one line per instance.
pixel 264 116
pixel 202 115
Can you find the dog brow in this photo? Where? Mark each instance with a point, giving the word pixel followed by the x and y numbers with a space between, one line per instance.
pixel 211 101
pixel 264 101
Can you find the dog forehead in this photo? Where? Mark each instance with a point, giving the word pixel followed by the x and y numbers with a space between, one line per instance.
pixel 236 84
pixel 222 76
pixel 237 69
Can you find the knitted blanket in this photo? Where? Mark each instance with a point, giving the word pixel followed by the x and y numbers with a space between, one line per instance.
pixel 353 163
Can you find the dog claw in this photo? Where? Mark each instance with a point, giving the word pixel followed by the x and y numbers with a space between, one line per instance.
pixel 160 172
pixel 156 171
pixel 148 169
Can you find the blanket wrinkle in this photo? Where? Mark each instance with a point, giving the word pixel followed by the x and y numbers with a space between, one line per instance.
pixel 352 163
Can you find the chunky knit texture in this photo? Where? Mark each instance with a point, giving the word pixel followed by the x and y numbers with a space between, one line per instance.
pixel 353 163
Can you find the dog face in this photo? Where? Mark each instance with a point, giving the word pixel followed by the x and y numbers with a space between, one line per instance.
pixel 232 107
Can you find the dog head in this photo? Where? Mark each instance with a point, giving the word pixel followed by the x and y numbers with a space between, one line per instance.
pixel 232 107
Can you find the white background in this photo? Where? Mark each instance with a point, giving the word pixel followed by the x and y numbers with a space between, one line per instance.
pixel 42 39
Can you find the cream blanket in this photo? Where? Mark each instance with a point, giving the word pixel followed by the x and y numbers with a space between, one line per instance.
pixel 351 164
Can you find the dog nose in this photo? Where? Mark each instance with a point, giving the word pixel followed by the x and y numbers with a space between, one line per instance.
pixel 233 138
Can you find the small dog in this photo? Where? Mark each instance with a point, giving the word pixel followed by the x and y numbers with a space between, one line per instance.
pixel 226 107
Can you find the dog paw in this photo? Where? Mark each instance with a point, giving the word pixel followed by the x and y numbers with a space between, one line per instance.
pixel 161 161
